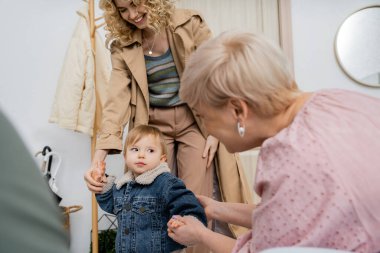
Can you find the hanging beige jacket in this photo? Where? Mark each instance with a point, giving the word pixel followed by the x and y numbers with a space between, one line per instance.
pixel 74 102
pixel 127 100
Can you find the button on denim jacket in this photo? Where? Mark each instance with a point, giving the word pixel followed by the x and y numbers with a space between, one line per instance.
pixel 143 206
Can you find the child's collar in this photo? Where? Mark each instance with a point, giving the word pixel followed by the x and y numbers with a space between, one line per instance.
pixel 145 179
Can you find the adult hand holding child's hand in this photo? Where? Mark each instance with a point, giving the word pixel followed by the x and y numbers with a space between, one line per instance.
pixel 95 177
pixel 186 230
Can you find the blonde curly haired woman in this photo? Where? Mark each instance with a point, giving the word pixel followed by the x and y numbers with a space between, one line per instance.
pixel 150 41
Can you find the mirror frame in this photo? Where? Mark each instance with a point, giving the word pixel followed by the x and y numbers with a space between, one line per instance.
pixel 336 49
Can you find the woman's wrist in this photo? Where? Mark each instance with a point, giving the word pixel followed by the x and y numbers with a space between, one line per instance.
pixel 217 211
pixel 203 235
pixel 99 156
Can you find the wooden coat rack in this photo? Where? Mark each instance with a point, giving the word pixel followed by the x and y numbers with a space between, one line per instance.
pixel 93 27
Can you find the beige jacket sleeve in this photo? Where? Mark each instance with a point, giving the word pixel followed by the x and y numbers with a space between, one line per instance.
pixel 116 109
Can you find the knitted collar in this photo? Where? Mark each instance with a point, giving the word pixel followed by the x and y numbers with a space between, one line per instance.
pixel 145 179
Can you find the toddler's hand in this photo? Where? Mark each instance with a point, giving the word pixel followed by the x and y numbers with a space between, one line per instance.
pixel 174 223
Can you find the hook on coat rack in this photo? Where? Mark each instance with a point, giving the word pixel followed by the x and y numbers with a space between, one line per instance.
pixel 48 172
pixel 46 163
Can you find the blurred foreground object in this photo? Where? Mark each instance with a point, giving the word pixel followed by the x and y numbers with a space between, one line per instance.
pixel 30 220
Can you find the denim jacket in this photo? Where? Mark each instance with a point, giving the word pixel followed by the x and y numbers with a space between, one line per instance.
pixel 143 206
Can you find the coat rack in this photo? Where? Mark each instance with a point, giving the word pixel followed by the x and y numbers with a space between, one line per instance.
pixel 94 208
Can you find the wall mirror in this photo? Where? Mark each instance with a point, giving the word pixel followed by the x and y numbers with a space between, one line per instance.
pixel 357 46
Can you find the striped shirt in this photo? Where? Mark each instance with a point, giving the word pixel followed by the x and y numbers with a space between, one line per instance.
pixel 163 80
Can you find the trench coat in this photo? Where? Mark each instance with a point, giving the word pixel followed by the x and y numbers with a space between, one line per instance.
pixel 127 100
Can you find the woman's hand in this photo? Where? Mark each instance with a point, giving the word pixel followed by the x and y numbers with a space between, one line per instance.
pixel 92 184
pixel 95 176
pixel 210 205
pixel 210 149
pixel 188 233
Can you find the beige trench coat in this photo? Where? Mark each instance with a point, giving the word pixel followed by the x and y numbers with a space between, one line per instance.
pixel 127 99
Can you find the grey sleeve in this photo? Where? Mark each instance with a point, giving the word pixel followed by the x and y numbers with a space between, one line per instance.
pixel 30 218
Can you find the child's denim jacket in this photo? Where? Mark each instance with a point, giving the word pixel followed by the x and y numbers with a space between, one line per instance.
pixel 143 206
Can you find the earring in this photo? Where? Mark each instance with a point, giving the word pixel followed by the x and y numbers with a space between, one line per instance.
pixel 241 129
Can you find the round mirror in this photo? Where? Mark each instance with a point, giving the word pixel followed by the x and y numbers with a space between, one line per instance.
pixel 357 46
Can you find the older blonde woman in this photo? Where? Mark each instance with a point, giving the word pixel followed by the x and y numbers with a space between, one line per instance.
pixel 150 40
pixel 318 168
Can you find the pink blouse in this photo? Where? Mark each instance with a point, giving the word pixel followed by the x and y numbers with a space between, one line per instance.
pixel 319 178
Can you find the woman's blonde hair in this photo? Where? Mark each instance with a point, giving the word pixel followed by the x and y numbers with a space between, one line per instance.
pixel 117 28
pixel 137 133
pixel 239 65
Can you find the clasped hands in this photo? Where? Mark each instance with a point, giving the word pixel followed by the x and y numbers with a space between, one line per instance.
pixel 95 177
pixel 188 230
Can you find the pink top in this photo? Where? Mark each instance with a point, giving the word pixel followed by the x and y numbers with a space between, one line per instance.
pixel 319 178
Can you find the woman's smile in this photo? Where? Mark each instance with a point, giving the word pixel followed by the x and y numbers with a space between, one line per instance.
pixel 139 19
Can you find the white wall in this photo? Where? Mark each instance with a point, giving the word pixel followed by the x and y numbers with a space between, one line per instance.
pixel 315 24
pixel 35 35
pixel 243 15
